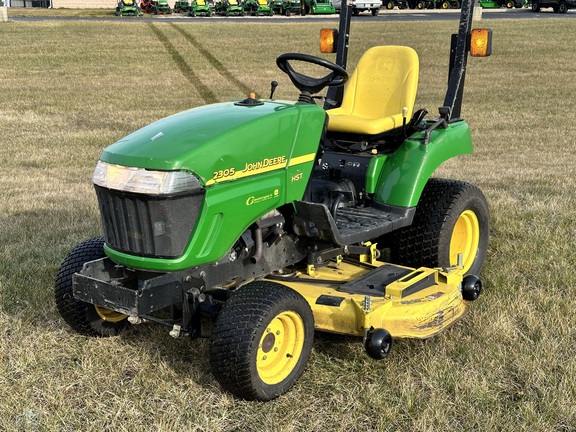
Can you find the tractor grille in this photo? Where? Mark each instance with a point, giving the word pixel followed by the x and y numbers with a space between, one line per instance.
pixel 148 226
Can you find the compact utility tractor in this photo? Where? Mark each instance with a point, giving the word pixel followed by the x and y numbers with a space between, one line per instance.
pixel 491 4
pixel 201 8
pixel 161 7
pixel 127 8
pixel 258 8
pixel 182 6
pixel 230 8
pixel 319 7
pixel 288 7
pixel 260 221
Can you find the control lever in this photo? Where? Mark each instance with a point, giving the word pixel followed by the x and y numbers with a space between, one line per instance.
pixel 273 86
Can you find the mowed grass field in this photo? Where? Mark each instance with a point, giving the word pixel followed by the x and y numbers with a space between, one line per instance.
pixel 69 89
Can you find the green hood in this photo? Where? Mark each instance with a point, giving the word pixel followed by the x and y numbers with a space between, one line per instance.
pixel 220 137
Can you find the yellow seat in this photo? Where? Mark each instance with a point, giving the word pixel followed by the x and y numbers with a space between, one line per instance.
pixel 263 2
pixel 200 3
pixel 383 84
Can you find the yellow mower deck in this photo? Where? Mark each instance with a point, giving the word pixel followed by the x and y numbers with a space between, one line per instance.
pixel 352 298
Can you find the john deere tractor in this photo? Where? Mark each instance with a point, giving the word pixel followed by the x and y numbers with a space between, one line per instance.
pixel 260 221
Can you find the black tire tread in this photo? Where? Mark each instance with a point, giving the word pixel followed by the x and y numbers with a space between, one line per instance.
pixel 81 316
pixel 237 332
pixel 425 242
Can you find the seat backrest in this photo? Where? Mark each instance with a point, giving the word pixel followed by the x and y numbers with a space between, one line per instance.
pixel 263 2
pixel 201 2
pixel 384 82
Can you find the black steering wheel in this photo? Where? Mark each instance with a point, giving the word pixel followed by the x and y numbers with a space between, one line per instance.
pixel 304 83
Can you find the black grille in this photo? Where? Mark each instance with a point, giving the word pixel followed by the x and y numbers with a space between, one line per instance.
pixel 148 226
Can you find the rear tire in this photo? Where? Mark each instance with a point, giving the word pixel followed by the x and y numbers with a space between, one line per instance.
pixel 261 341
pixel 535 6
pixel 85 318
pixel 452 217
pixel 562 8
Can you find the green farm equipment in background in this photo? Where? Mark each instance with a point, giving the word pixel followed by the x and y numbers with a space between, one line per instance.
pixel 182 6
pixel 128 8
pixel 288 7
pixel 495 4
pixel 319 7
pixel 161 7
pixel 201 8
pixel 258 8
pixel 229 8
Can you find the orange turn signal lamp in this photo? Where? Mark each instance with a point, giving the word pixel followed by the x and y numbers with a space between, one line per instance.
pixel 328 39
pixel 481 42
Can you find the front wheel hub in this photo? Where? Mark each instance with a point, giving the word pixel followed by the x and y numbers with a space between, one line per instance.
pixel 110 315
pixel 280 347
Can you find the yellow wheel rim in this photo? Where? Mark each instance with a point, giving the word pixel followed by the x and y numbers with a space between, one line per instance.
pixel 465 239
pixel 280 347
pixel 109 315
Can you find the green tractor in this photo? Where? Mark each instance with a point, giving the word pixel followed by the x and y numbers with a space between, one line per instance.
pixel 417 4
pixel 288 7
pixel 229 8
pixel 200 8
pixel 161 7
pixel 509 4
pixel 269 218
pixel 447 4
pixel 127 8
pixel 182 6
pixel 319 7
pixel 258 8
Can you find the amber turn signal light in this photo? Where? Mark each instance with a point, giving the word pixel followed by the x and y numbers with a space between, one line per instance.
pixel 328 40
pixel 481 42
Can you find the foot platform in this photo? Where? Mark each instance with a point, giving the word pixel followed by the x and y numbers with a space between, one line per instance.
pixel 352 224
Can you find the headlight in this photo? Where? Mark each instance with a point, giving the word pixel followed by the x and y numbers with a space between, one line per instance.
pixel 139 180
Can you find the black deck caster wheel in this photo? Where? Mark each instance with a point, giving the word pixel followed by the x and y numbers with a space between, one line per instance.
pixel 378 344
pixel 471 287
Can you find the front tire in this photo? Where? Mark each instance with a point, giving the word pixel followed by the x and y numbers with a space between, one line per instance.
pixel 452 217
pixel 535 6
pixel 85 318
pixel 261 341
